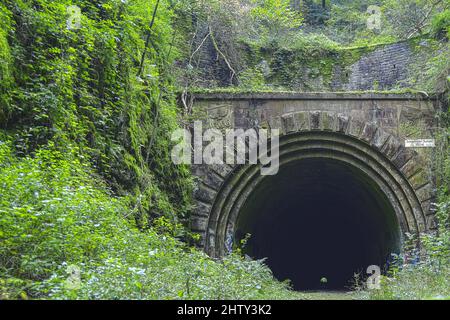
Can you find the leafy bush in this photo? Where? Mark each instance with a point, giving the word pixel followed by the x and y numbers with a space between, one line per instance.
pixel 65 237
pixel 441 24
pixel 422 271
pixel 274 18
pixel 417 277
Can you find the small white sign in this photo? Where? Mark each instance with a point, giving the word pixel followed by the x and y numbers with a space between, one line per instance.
pixel 420 143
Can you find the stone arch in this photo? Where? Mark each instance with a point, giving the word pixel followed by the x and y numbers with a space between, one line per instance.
pixel 222 189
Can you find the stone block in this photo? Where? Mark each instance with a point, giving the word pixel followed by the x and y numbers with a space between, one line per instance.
pixel 402 157
pixel 425 193
pixel 222 169
pixel 199 223
pixel 202 209
pixel 289 123
pixel 419 179
pixel 276 123
pixel 368 132
pixel 380 138
pixel 209 177
pixel 412 167
pixel 204 194
pixel 391 147
pixel 431 222
pixel 342 123
pixel 302 120
pixel 314 120
pixel 328 122
pixel 355 128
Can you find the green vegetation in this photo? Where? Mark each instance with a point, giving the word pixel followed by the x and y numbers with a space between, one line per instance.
pixel 81 87
pixel 86 174
pixel 419 273
pixel 56 216
pixel 265 90
pixel 308 45
pixel 91 206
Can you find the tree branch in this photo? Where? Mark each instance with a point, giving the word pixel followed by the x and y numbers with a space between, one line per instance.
pixel 147 40
pixel 419 26
pixel 233 73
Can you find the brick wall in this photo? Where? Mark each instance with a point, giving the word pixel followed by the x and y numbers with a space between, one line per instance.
pixel 384 68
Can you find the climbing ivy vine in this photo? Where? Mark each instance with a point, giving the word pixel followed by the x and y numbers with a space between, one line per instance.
pixel 100 86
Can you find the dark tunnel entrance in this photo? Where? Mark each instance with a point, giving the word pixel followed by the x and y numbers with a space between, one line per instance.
pixel 319 218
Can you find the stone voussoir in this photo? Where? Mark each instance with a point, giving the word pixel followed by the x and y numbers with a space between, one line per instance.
pixel 368 132
pixel 412 167
pixel 419 179
pixel 208 176
pixel 342 123
pixel 425 192
pixel 380 139
pixel 355 128
pixel 204 193
pixel 202 209
pixel 403 156
pixel 199 223
pixel 328 121
pixel 289 125
pixel 302 120
pixel 222 169
pixel 391 147
pixel 314 120
pixel 275 122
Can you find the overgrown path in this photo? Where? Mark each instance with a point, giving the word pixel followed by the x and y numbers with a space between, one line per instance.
pixel 326 295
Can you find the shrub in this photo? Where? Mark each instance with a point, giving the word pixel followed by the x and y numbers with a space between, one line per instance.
pixel 64 236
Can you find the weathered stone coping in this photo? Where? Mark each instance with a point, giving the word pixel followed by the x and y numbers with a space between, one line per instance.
pixel 312 96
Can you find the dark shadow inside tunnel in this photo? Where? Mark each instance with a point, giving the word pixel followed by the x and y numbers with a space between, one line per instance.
pixel 319 218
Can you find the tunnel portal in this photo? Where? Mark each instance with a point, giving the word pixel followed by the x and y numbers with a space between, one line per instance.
pixel 346 192
pixel 318 219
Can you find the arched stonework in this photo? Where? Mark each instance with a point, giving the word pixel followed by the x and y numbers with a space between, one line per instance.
pixel 399 172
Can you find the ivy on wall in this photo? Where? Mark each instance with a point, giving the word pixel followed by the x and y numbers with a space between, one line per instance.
pixel 76 80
